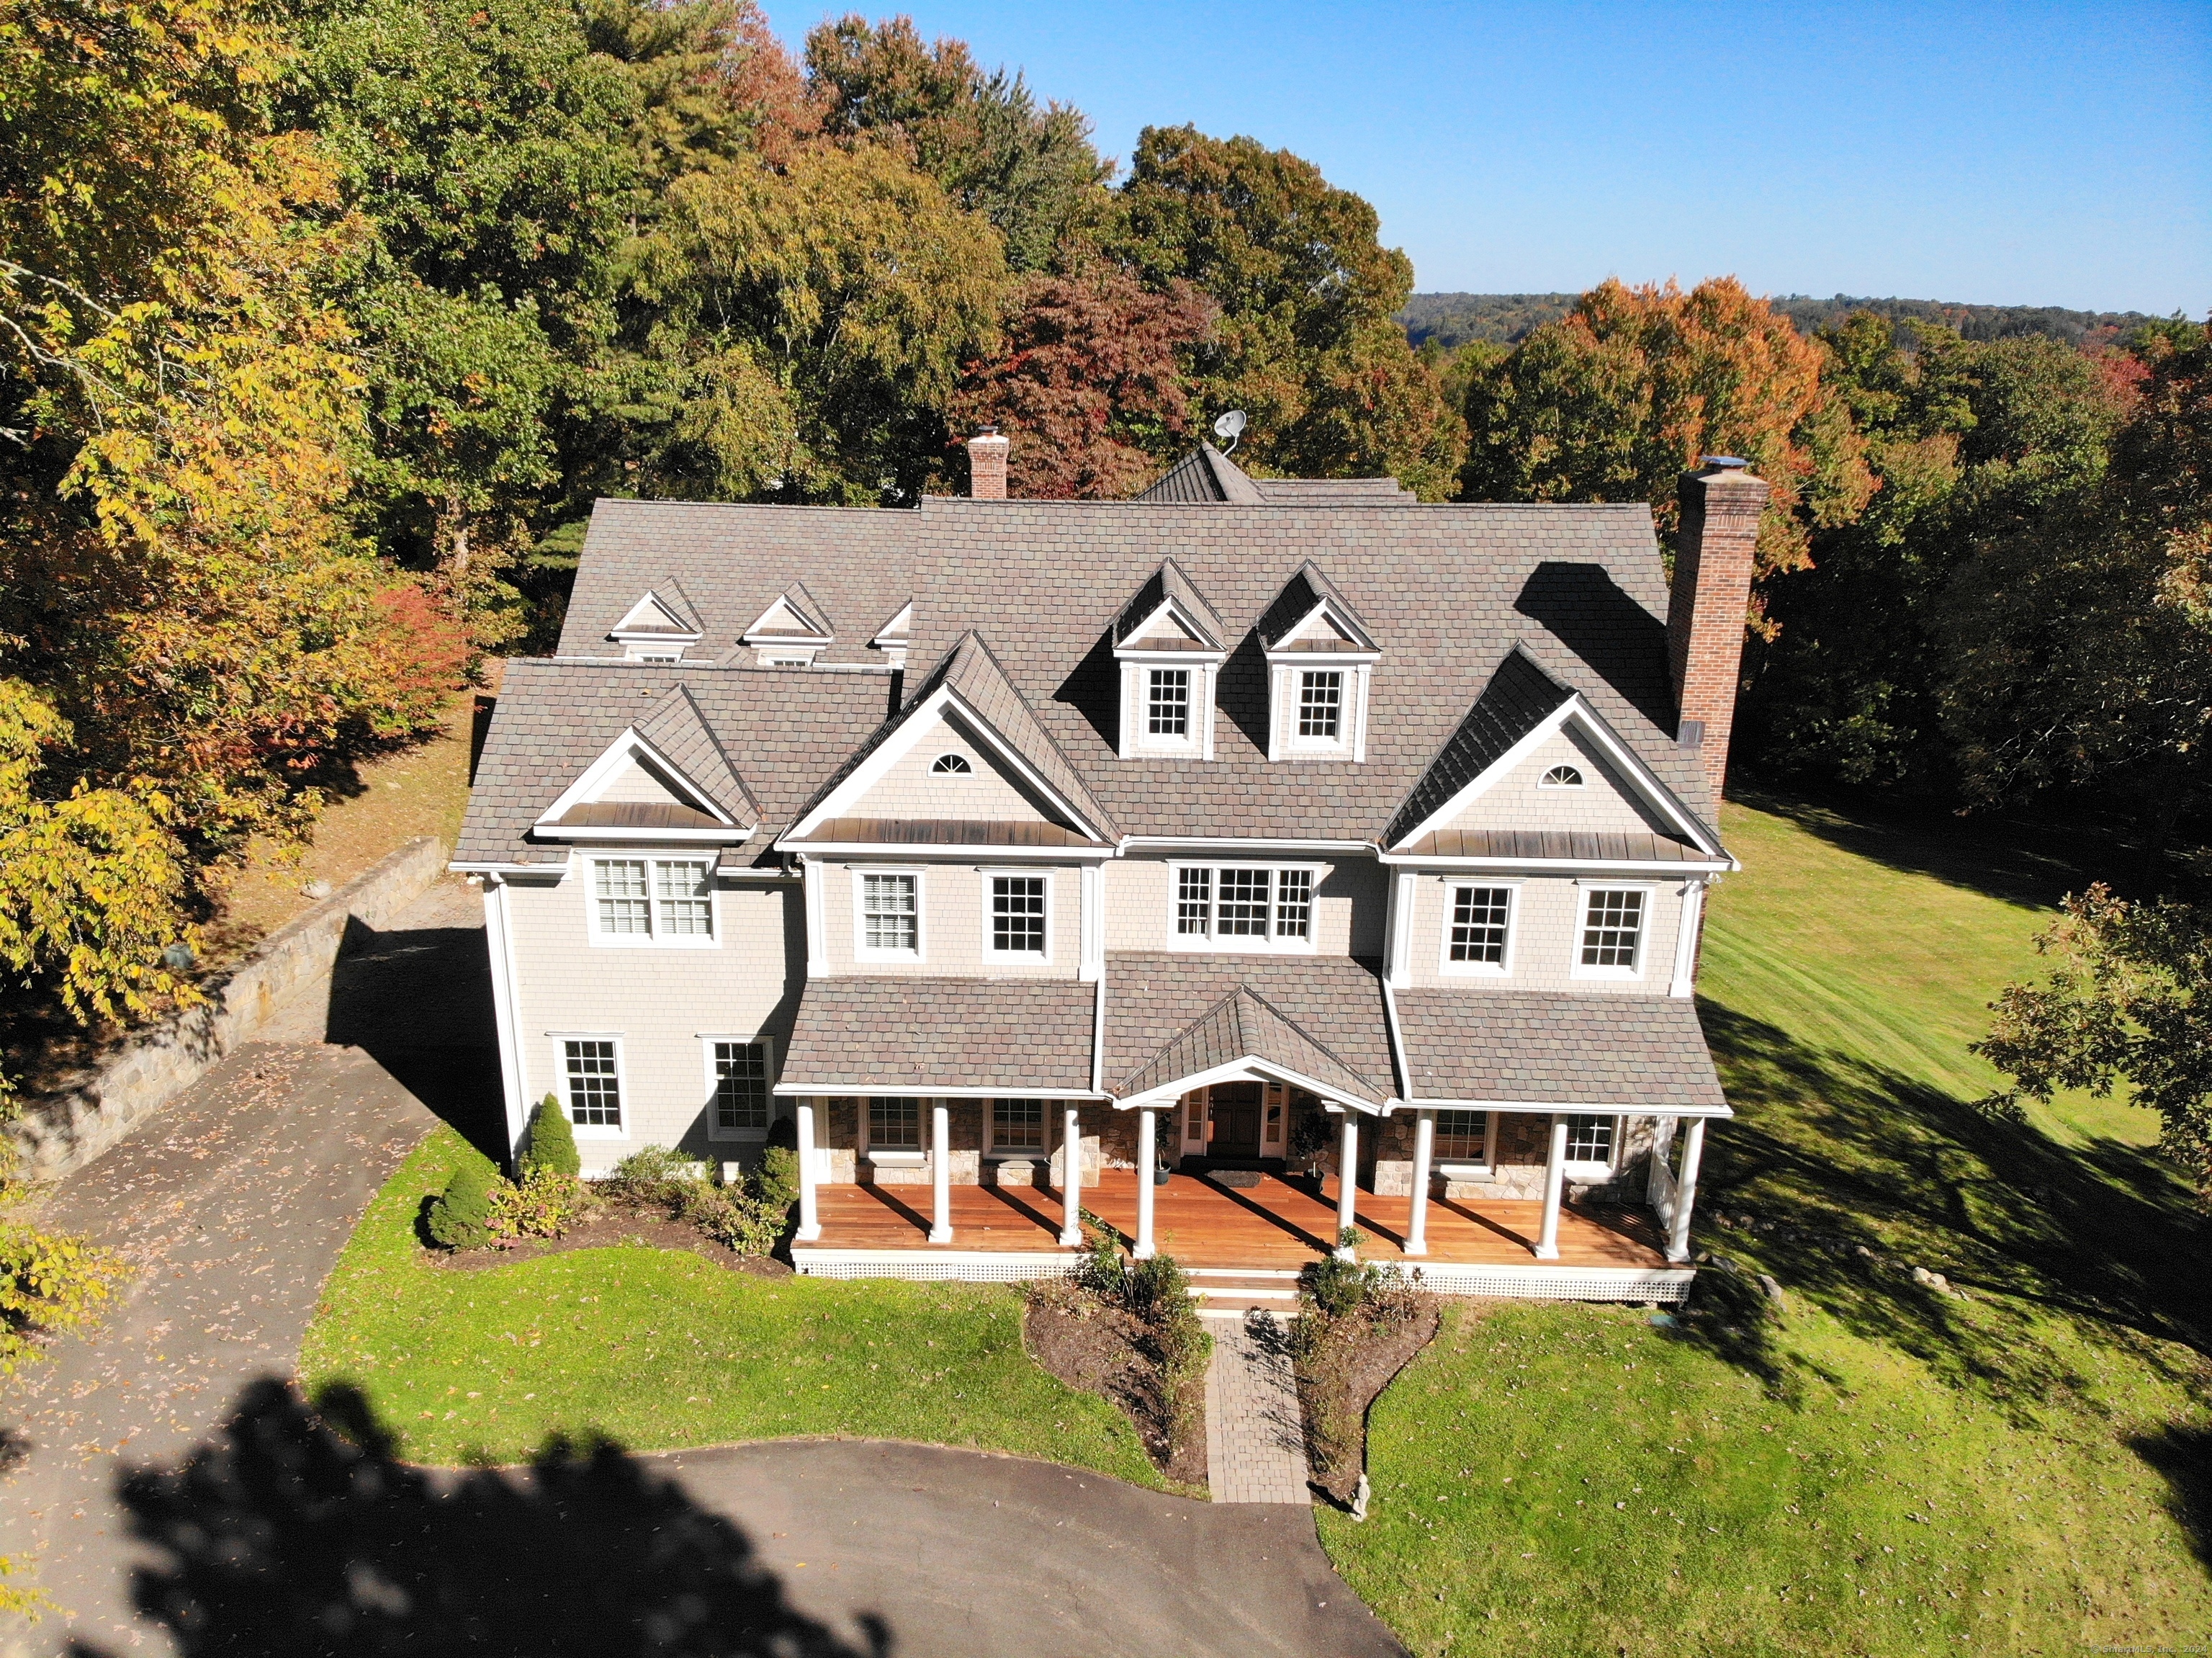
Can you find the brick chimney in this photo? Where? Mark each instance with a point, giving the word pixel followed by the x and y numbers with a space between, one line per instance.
pixel 1711 596
pixel 987 465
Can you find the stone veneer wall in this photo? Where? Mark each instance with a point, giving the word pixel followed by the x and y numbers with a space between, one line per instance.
pixel 1109 1141
pixel 1518 1170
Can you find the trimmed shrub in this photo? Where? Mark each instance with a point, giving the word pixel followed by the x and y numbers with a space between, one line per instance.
pixel 460 1219
pixel 552 1144
pixel 541 1204
pixel 655 1164
pixel 776 1182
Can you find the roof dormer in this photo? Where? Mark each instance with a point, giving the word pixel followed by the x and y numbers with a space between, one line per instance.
pixel 1168 640
pixel 791 632
pixel 656 629
pixel 894 635
pixel 1321 662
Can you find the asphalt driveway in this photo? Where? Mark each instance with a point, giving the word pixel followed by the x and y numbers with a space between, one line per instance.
pixel 170 1494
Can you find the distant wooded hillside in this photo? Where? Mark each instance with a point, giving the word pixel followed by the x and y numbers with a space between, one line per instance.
pixel 1453 319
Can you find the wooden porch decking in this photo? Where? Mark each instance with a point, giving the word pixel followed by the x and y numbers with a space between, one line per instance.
pixel 1275 1225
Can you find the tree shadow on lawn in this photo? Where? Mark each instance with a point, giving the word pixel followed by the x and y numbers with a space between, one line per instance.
pixel 1834 1156
pixel 299 1532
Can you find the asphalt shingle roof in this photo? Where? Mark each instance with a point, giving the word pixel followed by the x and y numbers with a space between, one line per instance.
pixel 1244 1025
pixel 1633 1053
pixel 853 1033
pixel 1334 1003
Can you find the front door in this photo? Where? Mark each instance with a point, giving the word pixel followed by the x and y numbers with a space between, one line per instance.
pixel 1236 1120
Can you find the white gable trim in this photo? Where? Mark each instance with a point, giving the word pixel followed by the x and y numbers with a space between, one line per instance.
pixel 642 614
pixel 1655 795
pixel 1247 1070
pixel 804 630
pixel 924 719
pixel 621 752
pixel 1363 649
pixel 1183 618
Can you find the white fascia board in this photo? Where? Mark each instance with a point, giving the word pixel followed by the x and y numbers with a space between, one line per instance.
pixel 1233 843
pixel 1557 866
pixel 898 630
pixel 906 851
pixel 628 628
pixel 505 870
pixel 1397 1041
pixel 1480 784
pixel 1003 1091
pixel 902 742
pixel 1645 779
pixel 737 834
pixel 1247 1070
pixel 1568 1108
pixel 1183 618
pixel 617 754
pixel 1349 629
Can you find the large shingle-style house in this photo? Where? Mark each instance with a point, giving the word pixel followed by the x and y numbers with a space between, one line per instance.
pixel 1345 854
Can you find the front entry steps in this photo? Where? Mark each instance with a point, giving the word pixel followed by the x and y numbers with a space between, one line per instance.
pixel 1231 1292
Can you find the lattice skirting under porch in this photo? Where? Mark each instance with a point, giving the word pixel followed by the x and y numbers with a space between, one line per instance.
pixel 969 1266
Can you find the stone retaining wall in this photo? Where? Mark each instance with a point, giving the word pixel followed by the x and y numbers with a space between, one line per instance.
pixel 60 1133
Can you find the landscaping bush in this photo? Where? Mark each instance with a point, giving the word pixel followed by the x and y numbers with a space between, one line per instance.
pixel 747 1221
pixel 653 1165
pixel 542 1203
pixel 775 1183
pixel 552 1144
pixel 460 1218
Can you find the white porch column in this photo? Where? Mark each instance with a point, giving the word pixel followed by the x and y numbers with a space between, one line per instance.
pixel 1347 1183
pixel 1148 1136
pixel 810 1218
pixel 1071 1178
pixel 1425 1148
pixel 940 1173
pixel 1686 1191
pixel 1555 1182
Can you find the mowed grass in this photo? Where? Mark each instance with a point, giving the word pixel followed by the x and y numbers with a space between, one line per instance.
pixel 656 1349
pixel 1884 1469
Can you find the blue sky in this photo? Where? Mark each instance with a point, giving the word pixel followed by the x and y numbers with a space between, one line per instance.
pixel 2008 155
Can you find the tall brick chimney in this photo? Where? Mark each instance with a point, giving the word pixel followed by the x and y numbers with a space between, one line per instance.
pixel 1711 596
pixel 987 465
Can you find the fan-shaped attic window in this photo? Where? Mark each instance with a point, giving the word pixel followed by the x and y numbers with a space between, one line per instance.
pixel 950 765
pixel 1561 777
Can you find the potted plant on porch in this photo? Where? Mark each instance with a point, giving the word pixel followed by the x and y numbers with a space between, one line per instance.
pixel 1309 1143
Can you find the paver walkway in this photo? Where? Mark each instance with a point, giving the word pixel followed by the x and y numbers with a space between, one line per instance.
pixel 1255 1438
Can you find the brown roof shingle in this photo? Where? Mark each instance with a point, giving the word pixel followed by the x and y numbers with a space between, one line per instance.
pixel 879 1031
pixel 1635 1053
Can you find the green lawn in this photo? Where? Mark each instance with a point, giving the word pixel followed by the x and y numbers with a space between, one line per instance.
pixel 656 1348
pixel 1887 1470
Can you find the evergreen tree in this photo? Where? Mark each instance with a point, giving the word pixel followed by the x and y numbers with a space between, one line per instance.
pixel 551 1142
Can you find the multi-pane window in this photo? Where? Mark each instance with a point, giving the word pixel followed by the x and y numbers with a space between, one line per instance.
pixel 894 1125
pixel 653 898
pixel 1462 1136
pixel 1195 902
pixel 1613 928
pixel 1018 914
pixel 1589 1139
pixel 1321 704
pixel 740 1070
pixel 1245 903
pixel 1018 1125
pixel 594 1083
pixel 1167 702
pixel 890 913
pixel 1479 917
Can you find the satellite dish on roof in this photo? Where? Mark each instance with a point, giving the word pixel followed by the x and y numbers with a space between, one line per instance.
pixel 1230 428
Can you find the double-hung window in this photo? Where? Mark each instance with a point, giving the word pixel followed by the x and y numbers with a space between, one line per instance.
pixel 1589 1140
pixel 1244 907
pixel 738 1081
pixel 592 1067
pixel 1167 703
pixel 1018 1125
pixel 1479 936
pixel 1017 917
pixel 890 916
pixel 1321 706
pixel 652 900
pixel 1613 932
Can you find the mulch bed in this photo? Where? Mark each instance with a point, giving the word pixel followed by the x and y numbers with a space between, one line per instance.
pixel 1344 1364
pixel 612 1224
pixel 1102 1349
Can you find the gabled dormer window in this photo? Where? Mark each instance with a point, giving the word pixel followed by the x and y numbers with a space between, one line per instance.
pixel 655 629
pixel 1168 642
pixel 1320 660
pixel 791 632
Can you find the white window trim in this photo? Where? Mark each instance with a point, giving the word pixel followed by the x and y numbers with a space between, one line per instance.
pixel 593 1130
pixel 1447 968
pixel 653 941
pixel 1587 1170
pixel 897 1157
pixel 1017 958
pixel 1619 975
pixel 1136 737
pixel 997 1154
pixel 767 1045
pixel 1576 765
pixel 861 952
pixel 663 654
pixel 1454 1170
pixel 1244 944
pixel 1285 679
pixel 1348 682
